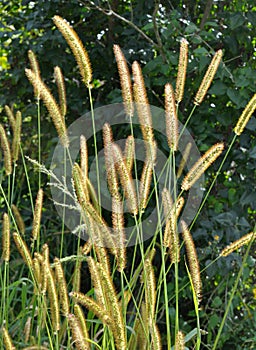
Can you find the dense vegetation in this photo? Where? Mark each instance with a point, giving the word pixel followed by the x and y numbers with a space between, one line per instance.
pixel 149 32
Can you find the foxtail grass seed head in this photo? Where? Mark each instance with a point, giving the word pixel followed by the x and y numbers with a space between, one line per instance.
pixel 96 280
pixel 179 341
pixel 208 78
pixel 182 69
pixel 129 152
pixel 171 118
pixel 35 68
pixel 51 105
pixel 77 48
pixel 10 116
pixel 18 218
pixel 155 336
pixel 110 163
pixel 62 287
pixel 150 284
pixel 238 243
pixel 84 156
pixel 77 334
pixel 37 215
pixel 5 146
pixel 7 340
pixel 16 137
pixel 201 166
pixel 125 80
pixel 184 159
pixel 76 280
pixel 93 306
pixel 142 105
pixel 59 79
pixel 23 250
pixel 126 180
pixel 192 260
pixel 80 184
pixel 82 323
pixel 245 116
pixel 37 271
pixel 119 233
pixel 145 182
pixel 27 329
pixel 54 300
pixel 6 238
pixel 167 202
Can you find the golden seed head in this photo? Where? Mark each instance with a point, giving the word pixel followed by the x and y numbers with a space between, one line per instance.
pixel 23 250
pixel 77 48
pixel 18 219
pixel 63 291
pixel 84 156
pixel 208 78
pixel 201 166
pixel 6 238
pixel 184 159
pixel 61 90
pixel 245 116
pixel 51 105
pixel 192 260
pixel 16 137
pixel 171 118
pixel 179 341
pixel 238 243
pixel 35 68
pixel 125 80
pixel 37 215
pixel 129 152
pixel 182 69
pixel 10 116
pixel 7 340
pixel 6 151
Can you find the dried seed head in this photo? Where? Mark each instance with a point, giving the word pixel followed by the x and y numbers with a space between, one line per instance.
pixel 171 118
pixel 126 179
pixel 51 105
pixel 23 249
pixel 238 243
pixel 35 68
pixel 208 78
pixel 129 152
pixel 6 238
pixel 77 48
pixel 37 215
pixel 84 156
pixel 63 291
pixel 54 301
pixel 201 166
pixel 10 116
pixel 119 233
pixel 192 260
pixel 16 137
pixel 6 151
pixel 82 323
pixel 182 69
pixel 125 80
pixel 145 182
pixel 179 341
pixel 61 90
pixel 18 219
pixel 77 334
pixel 245 116
pixel 7 340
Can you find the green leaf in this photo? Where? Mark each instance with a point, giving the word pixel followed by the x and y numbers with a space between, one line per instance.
pixel 218 88
pixel 236 20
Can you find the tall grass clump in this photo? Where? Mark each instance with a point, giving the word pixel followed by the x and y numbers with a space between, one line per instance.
pixel 105 293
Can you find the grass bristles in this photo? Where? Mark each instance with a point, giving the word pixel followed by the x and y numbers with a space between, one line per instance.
pixel 16 137
pixel 126 179
pixel 125 80
pixel 82 323
pixel 245 116
pixel 96 281
pixel 182 69
pixel 129 152
pixel 37 215
pixel 62 287
pixel 77 48
pixel 192 260
pixel 54 300
pixel 18 218
pixel 6 238
pixel 59 79
pixel 23 250
pixel 83 156
pixel 238 243
pixel 5 146
pixel 201 166
pixel 51 105
pixel 208 77
pixel 7 340
pixel 179 341
pixel 171 118
pixel 77 334
pixel 119 233
pixel 10 116
pixel 35 68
